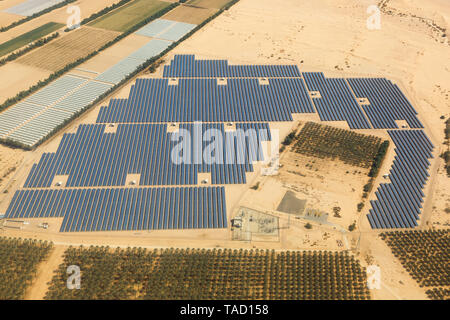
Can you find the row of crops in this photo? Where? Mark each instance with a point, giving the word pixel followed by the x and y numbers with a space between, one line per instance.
pixel 19 260
pixel 425 255
pixel 137 273
pixel 333 143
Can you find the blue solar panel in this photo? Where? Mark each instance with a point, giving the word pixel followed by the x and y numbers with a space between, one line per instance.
pixel 186 66
pixel 337 102
pixel 241 100
pixel 92 157
pixel 387 103
pixel 122 209
pixel 399 202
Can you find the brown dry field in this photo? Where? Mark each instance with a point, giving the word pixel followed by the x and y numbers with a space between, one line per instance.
pixel 67 49
pixel 323 35
pixel 20 77
pixel 189 14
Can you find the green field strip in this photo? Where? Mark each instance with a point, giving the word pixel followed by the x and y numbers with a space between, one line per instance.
pixel 129 15
pixel 26 38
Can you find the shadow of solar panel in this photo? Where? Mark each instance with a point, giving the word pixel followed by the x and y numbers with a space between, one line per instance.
pixel 241 100
pixel 399 202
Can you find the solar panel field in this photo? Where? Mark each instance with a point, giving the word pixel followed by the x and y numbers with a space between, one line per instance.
pixel 210 274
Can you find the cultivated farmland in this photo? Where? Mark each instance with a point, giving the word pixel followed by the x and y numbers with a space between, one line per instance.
pixel 210 274
pixel 28 37
pixel 129 15
pixel 77 44
pixel 217 4
pixel 328 142
pixel 18 265
pixel 189 14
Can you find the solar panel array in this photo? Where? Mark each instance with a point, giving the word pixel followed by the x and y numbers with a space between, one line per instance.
pixel 398 203
pixel 387 103
pixel 155 100
pixel 186 66
pixel 166 29
pixel 30 7
pixel 114 209
pixel 133 137
pixel 92 157
pixel 337 102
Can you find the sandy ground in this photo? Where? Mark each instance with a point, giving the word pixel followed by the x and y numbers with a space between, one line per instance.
pixel 323 35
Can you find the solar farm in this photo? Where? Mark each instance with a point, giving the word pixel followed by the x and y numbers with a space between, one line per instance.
pixel 141 143
pixel 169 164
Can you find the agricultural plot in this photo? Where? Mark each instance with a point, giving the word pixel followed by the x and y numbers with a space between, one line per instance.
pixel 328 142
pixel 129 15
pixel 210 274
pixel 217 4
pixel 187 14
pixel 18 265
pixel 65 50
pixel 425 255
pixel 28 37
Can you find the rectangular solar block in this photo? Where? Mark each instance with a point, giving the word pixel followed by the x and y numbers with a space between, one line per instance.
pixel 123 209
pixel 399 203
pixel 186 66
pixel 336 102
pixel 241 100
pixel 387 103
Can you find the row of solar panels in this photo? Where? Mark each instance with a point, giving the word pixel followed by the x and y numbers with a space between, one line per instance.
pixel 30 7
pixel 165 31
pixel 30 121
pixel 387 103
pixel 337 102
pixel 92 157
pixel 399 203
pixel 155 100
pixel 186 66
pixel 122 209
